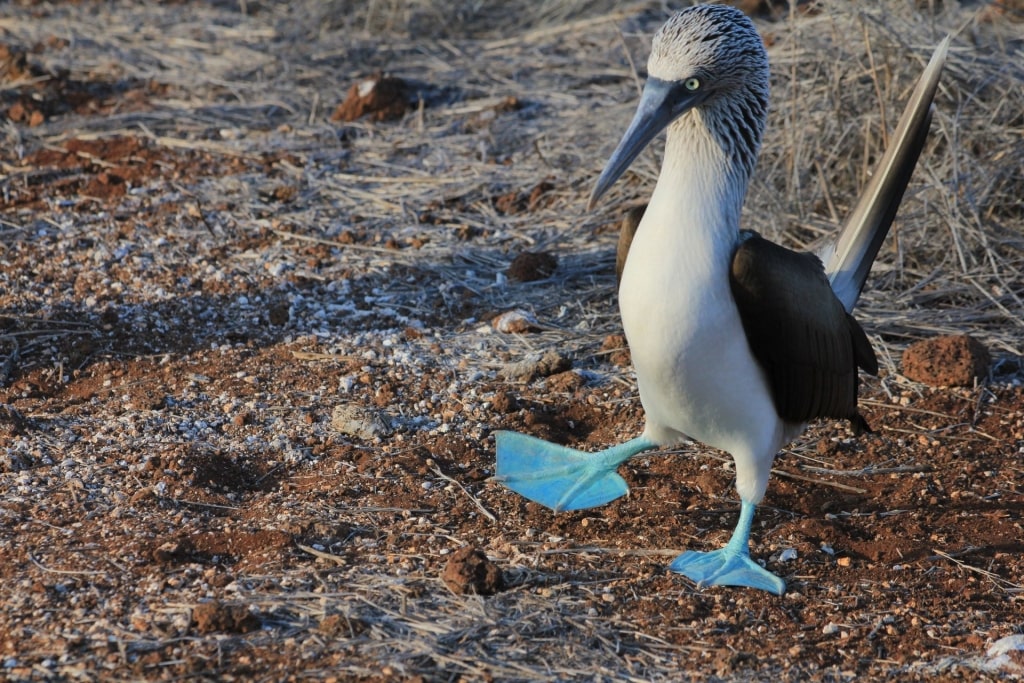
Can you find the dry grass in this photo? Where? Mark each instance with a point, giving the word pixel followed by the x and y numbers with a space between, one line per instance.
pixel 839 80
pixel 244 84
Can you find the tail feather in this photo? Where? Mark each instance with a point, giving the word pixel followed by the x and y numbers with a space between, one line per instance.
pixel 849 260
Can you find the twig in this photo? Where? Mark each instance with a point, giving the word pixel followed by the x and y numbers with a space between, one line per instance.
pixel 782 473
pixel 833 484
pixel 868 471
pixel 480 506
pixel 336 559
pixel 71 572
pixel 997 580
pixel 197 503
pixel 625 552
pixel 310 355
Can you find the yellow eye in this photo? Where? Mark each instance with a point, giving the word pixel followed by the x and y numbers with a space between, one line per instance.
pixel 692 84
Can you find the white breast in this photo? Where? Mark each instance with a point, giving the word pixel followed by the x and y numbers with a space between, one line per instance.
pixel 696 374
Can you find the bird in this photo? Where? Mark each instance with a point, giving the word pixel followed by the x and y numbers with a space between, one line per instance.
pixel 736 342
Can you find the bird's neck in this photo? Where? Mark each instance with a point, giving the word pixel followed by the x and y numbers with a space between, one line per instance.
pixel 700 191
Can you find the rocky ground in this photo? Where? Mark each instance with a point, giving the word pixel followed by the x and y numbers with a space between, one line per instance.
pixel 254 346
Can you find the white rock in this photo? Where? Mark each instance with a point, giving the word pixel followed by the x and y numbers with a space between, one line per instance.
pixel 360 421
pixel 999 653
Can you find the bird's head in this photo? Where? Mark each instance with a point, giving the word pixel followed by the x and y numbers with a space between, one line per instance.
pixel 708 57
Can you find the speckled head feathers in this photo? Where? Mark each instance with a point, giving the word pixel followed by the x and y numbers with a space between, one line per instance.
pixel 719 46
pixel 715 41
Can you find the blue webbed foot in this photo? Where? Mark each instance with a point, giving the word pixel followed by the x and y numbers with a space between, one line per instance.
pixel 559 477
pixel 724 568
pixel 731 565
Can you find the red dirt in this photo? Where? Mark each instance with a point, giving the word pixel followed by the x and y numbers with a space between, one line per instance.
pixel 177 504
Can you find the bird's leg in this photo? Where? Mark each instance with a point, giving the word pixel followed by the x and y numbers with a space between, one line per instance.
pixel 731 565
pixel 563 478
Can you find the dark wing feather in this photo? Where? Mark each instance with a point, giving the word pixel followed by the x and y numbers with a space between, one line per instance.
pixel 809 346
pixel 629 225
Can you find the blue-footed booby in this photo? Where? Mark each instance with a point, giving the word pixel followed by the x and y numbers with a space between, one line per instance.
pixel 737 342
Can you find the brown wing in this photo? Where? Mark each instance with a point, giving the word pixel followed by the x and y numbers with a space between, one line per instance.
pixel 808 345
pixel 629 225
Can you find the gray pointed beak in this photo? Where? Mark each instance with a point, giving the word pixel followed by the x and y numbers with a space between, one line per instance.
pixel 661 103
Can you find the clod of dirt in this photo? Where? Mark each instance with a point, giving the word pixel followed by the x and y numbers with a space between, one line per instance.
pixel 284 194
pixel 504 402
pixel 19 113
pixel 536 366
pixel 514 202
pixel 214 616
pixel 529 266
pixel 1000 12
pixel 12 422
pixel 13 65
pixel 539 196
pixel 469 571
pixel 383 98
pixel 955 360
pixel 361 422
pixel 170 552
pixel 773 10
pixel 340 625
pixel 617 349
pixel 278 314
pixel 516 321
pixel 566 382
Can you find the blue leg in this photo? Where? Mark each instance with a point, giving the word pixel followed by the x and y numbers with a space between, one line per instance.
pixel 563 478
pixel 731 565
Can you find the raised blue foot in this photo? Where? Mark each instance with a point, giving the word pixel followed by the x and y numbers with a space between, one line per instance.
pixel 563 478
pixel 731 565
